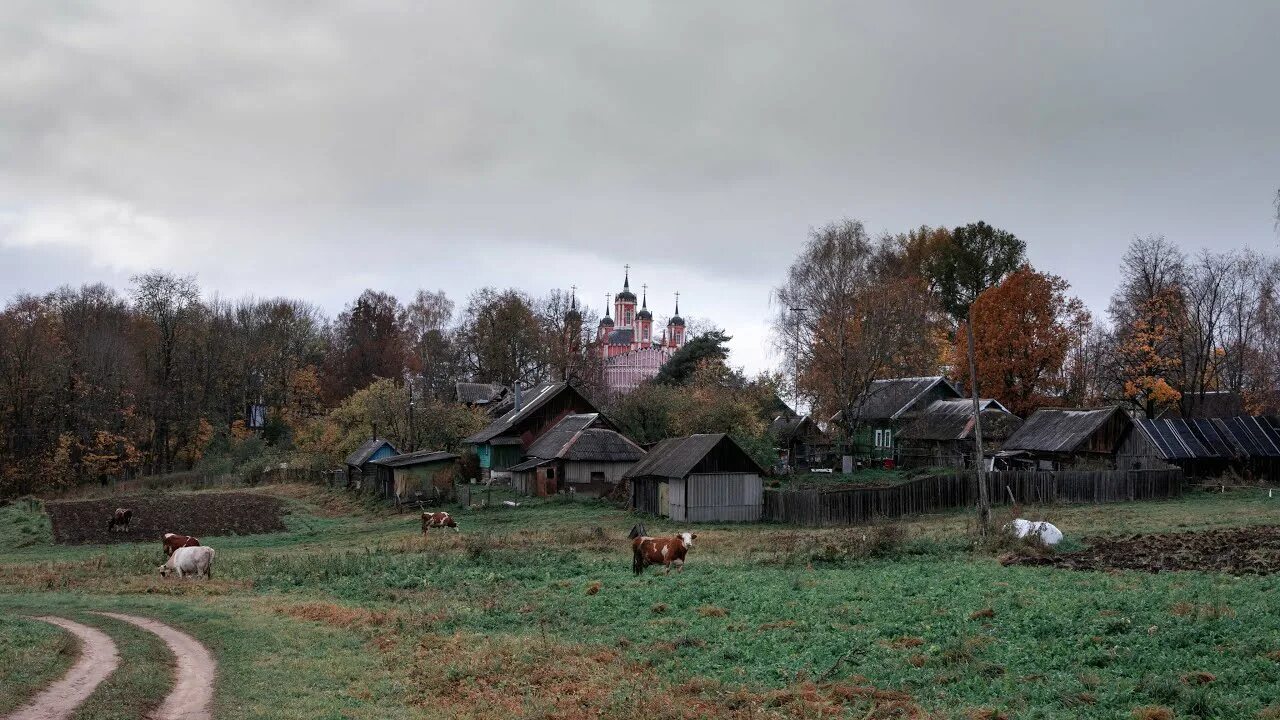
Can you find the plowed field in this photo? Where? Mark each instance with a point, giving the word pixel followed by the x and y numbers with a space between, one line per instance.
pixel 1237 551
pixel 85 521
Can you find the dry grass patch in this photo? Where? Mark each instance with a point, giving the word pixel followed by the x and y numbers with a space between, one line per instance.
pixel 340 616
pixel 1152 712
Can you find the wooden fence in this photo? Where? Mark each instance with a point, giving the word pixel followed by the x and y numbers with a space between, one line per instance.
pixel 854 506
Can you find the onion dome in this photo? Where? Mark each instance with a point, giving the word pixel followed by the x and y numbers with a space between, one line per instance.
pixel 606 321
pixel 626 293
pixel 644 313
pixel 676 319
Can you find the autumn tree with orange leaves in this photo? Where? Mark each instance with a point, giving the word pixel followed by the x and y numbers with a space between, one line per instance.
pixel 1024 329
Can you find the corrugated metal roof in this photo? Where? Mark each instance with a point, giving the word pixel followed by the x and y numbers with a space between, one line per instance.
pixel 529 464
pixel 554 440
pixel 361 455
pixel 1241 437
pixel 420 457
pixel 1058 429
pixel 530 400
pixel 677 457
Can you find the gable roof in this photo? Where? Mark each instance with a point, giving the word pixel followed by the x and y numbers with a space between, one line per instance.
pixel 474 393
pixel 584 436
pixel 786 428
pixel 361 455
pixel 953 420
pixel 677 457
pixel 530 400
pixel 890 399
pixel 421 457
pixel 1059 429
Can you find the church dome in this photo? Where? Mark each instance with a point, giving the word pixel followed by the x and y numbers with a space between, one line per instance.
pixel 606 321
pixel 644 314
pixel 625 295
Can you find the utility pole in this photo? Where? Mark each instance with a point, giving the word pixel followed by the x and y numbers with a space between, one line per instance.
pixel 413 444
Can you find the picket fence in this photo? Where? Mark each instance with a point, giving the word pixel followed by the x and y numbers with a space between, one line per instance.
pixel 855 506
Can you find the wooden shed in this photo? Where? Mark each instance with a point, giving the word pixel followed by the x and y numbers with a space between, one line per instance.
pixel 582 453
pixel 699 478
pixel 1211 447
pixel 1071 439
pixel 801 443
pixel 423 474
pixel 361 470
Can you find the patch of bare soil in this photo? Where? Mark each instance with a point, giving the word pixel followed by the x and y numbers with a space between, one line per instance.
pixel 1236 551
pixel 199 514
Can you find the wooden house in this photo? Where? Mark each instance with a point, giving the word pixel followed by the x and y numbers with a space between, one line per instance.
pixel 1211 447
pixel 418 475
pixel 943 435
pixel 583 453
pixel 505 442
pixel 361 471
pixel 699 478
pixel 801 443
pixel 873 421
pixel 1070 439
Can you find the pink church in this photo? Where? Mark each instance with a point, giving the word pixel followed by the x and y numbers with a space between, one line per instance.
pixel 631 352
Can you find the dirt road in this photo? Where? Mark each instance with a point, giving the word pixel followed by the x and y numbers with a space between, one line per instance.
pixel 98 659
pixel 192 694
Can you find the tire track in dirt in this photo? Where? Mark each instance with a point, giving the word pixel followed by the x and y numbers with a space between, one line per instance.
pixel 192 694
pixel 98 659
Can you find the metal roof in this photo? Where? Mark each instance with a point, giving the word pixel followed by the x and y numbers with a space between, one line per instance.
pixel 1059 429
pixel 361 455
pixel 949 424
pixel 677 457
pixel 1241 437
pixel 421 457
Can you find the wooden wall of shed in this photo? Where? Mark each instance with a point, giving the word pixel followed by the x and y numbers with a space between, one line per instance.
pixel 717 497
pixel 1108 438
pixel 1137 452
pixel 578 475
pixel 428 478
pixel 644 495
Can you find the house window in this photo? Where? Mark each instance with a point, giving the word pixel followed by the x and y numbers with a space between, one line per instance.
pixel 879 438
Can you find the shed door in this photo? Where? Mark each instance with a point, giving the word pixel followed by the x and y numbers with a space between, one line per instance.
pixel 664 499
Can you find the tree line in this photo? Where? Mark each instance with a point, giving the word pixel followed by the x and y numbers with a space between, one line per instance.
pixel 853 309
pixel 96 384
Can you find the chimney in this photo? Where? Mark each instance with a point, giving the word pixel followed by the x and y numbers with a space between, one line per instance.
pixel 519 399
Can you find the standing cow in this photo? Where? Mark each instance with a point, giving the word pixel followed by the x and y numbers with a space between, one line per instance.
pixel 120 519
pixel 197 561
pixel 173 541
pixel 437 519
pixel 666 551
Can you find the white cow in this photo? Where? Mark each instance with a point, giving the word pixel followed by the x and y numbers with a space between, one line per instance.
pixel 1049 534
pixel 197 561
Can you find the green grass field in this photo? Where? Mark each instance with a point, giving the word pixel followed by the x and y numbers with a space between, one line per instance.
pixel 534 612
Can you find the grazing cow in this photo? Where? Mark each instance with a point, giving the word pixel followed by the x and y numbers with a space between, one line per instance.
pixel 666 551
pixel 197 561
pixel 173 541
pixel 120 519
pixel 438 519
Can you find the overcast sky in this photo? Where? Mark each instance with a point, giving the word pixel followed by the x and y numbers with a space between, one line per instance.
pixel 314 149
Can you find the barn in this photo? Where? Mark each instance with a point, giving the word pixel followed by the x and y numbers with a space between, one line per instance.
pixel 943 435
pixel 582 453
pixel 1077 439
pixel 699 478
pixel 505 442
pixel 359 464
pixel 418 475
pixel 1212 447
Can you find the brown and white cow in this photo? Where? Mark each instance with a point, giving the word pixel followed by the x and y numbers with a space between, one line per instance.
pixel 120 519
pixel 173 541
pixel 666 551
pixel 438 519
